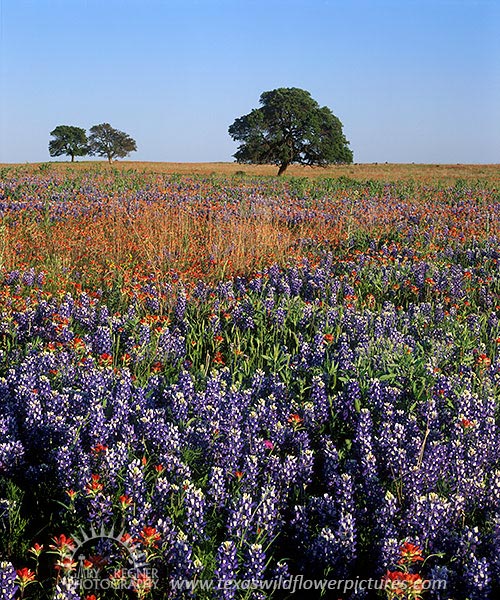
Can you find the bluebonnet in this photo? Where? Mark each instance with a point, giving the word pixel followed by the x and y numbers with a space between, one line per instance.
pixel 217 486
pixel 253 568
pixel 180 557
pixel 66 589
pixel 241 520
pixel 195 507
pixel 8 587
pixel 226 570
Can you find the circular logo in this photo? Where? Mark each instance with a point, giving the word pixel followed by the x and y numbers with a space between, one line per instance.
pixel 107 560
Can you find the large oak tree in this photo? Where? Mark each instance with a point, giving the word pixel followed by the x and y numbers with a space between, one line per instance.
pixel 290 127
pixel 107 141
pixel 68 140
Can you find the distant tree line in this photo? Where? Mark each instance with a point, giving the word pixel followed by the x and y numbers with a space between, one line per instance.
pixel 103 140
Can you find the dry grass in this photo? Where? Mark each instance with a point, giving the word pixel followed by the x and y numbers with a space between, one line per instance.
pixel 376 171
pixel 157 238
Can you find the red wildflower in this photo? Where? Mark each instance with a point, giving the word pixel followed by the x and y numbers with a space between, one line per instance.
pixel 99 448
pixel 98 561
pixel 219 359
pixel 149 536
pixel 72 494
pixel 36 550
pixel 142 584
pixel 410 553
pixel 66 564
pixel 403 585
pixel 95 486
pixel 483 361
pixel 125 501
pixel 105 359
pixel 24 577
pixel 295 419
pixel 62 544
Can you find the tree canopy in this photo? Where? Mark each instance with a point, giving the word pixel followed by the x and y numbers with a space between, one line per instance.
pixel 68 140
pixel 290 127
pixel 106 141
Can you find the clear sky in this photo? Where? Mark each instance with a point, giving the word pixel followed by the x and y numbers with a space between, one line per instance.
pixel 411 80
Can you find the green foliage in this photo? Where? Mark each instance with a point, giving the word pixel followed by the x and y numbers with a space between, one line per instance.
pixel 290 127
pixel 44 167
pixel 107 141
pixel 13 524
pixel 68 140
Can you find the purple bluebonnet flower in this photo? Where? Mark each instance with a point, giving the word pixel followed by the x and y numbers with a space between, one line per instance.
pixel 432 516
pixel 267 513
pixel 100 510
pixel 346 528
pixel 476 569
pixel 8 587
pixel 351 399
pixel 67 589
pixel 195 507
pixel 226 570
pixel 495 547
pixel 241 521
pixel 330 462
pixel 477 577
pixel 254 566
pixel 136 488
pixel 29 277
pixel 101 340
pixel 319 399
pixel 180 558
pixel 217 486
pixel 365 448
pixel 11 456
pixel 12 277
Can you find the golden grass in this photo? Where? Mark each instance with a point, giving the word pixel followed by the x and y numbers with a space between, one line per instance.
pixel 158 238
pixel 377 171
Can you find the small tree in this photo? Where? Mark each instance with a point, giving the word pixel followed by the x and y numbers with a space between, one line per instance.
pixel 290 127
pixel 104 140
pixel 68 140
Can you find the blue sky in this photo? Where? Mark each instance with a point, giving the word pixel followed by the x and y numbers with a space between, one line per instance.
pixel 411 80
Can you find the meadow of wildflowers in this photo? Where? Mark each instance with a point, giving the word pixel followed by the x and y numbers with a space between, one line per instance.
pixel 247 379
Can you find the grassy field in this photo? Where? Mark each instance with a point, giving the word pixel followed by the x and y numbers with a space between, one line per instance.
pixel 374 171
pixel 212 223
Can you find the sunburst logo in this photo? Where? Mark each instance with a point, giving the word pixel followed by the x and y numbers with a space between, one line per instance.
pixel 105 559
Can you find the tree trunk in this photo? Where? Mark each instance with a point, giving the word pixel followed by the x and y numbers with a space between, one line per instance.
pixel 283 168
pixel 72 158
